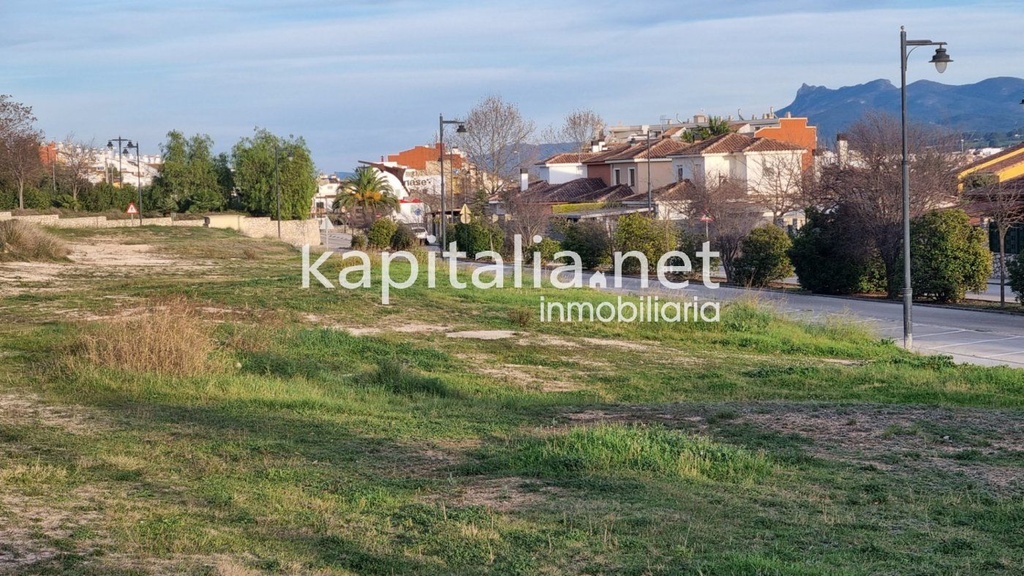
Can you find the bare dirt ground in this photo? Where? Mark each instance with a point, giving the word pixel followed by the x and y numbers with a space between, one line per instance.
pixel 99 259
pixel 899 439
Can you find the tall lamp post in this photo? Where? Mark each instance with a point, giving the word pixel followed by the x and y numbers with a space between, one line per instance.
pixel 138 160
pixel 650 198
pixel 440 131
pixel 940 59
pixel 120 145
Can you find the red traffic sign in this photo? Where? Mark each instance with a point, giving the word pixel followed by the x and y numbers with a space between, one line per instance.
pixel 131 209
pixel 706 218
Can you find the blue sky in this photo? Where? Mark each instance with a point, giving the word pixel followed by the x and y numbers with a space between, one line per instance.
pixel 361 79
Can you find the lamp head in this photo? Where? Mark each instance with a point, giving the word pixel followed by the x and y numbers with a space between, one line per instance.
pixel 110 145
pixel 461 129
pixel 941 59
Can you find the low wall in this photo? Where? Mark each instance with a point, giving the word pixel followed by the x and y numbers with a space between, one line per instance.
pixel 295 232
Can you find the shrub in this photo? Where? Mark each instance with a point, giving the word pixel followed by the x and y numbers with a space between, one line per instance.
pixel 477 237
pixel 403 239
pixel 381 232
pixel 1015 270
pixel 763 258
pixel 547 248
pixel 590 241
pixel 639 232
pixel 828 258
pixel 27 242
pixel 359 241
pixel 171 339
pixel 948 256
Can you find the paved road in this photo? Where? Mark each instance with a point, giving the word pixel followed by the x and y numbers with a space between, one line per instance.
pixel 977 337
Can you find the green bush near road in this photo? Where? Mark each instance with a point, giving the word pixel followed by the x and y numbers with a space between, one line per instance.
pixel 381 232
pixel 764 257
pixel 948 256
pixel 1015 269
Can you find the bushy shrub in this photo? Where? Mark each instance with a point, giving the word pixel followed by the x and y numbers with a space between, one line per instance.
pixel 547 248
pixel 829 258
pixel 359 241
pixel 948 256
pixel 27 242
pixel 763 258
pixel 641 233
pixel 477 237
pixel 1015 270
pixel 403 239
pixel 590 241
pixel 381 232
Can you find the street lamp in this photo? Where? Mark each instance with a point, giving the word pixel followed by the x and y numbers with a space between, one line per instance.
pixel 120 144
pixel 650 200
pixel 940 59
pixel 440 130
pixel 138 160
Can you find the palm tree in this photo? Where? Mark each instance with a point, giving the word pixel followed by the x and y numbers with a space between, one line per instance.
pixel 369 190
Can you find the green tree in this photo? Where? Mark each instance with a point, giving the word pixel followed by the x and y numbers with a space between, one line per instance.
pixel 188 179
pixel 589 240
pixel 829 258
pixel 716 127
pixel 948 256
pixel 263 160
pixel 369 190
pixel 763 258
pixel 644 234
pixel 477 236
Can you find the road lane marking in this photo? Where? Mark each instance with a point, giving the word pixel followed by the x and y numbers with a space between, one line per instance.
pixel 1005 354
pixel 940 333
pixel 965 344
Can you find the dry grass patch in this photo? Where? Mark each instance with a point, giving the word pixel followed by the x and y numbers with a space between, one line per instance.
pixel 171 339
pixel 24 242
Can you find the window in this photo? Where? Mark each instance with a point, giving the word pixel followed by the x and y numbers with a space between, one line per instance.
pixel 679 174
pixel 632 176
pixel 618 176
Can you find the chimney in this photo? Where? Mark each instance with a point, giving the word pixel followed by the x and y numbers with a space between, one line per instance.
pixel 524 180
pixel 842 149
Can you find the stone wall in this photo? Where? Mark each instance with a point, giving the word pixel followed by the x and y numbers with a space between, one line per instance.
pixel 295 232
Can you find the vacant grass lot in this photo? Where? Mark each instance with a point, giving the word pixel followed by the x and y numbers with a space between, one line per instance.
pixel 192 410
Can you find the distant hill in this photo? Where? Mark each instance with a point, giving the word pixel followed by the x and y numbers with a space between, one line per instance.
pixel 985 110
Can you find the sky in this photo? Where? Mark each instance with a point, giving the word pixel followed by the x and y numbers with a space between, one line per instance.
pixel 364 78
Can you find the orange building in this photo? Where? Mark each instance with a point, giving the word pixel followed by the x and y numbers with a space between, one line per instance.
pixel 419 157
pixel 48 153
pixel 794 131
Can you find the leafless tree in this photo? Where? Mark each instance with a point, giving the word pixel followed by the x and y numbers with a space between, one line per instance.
pixel 579 128
pixel 19 144
pixel 1003 202
pixel 495 132
pixel 526 217
pixel 733 215
pixel 76 160
pixel 868 188
pixel 782 185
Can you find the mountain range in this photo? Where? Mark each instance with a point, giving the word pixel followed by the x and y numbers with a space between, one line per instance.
pixel 984 111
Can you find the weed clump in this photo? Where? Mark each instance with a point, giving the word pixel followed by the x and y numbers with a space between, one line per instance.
pixel 170 339
pixel 393 375
pixel 24 242
pixel 648 451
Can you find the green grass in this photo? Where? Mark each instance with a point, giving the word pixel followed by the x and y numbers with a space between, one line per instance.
pixel 758 445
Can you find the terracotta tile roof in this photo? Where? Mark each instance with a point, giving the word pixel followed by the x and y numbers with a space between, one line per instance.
pixel 734 144
pixel 578 190
pixel 569 158
pixel 600 157
pixel 660 149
